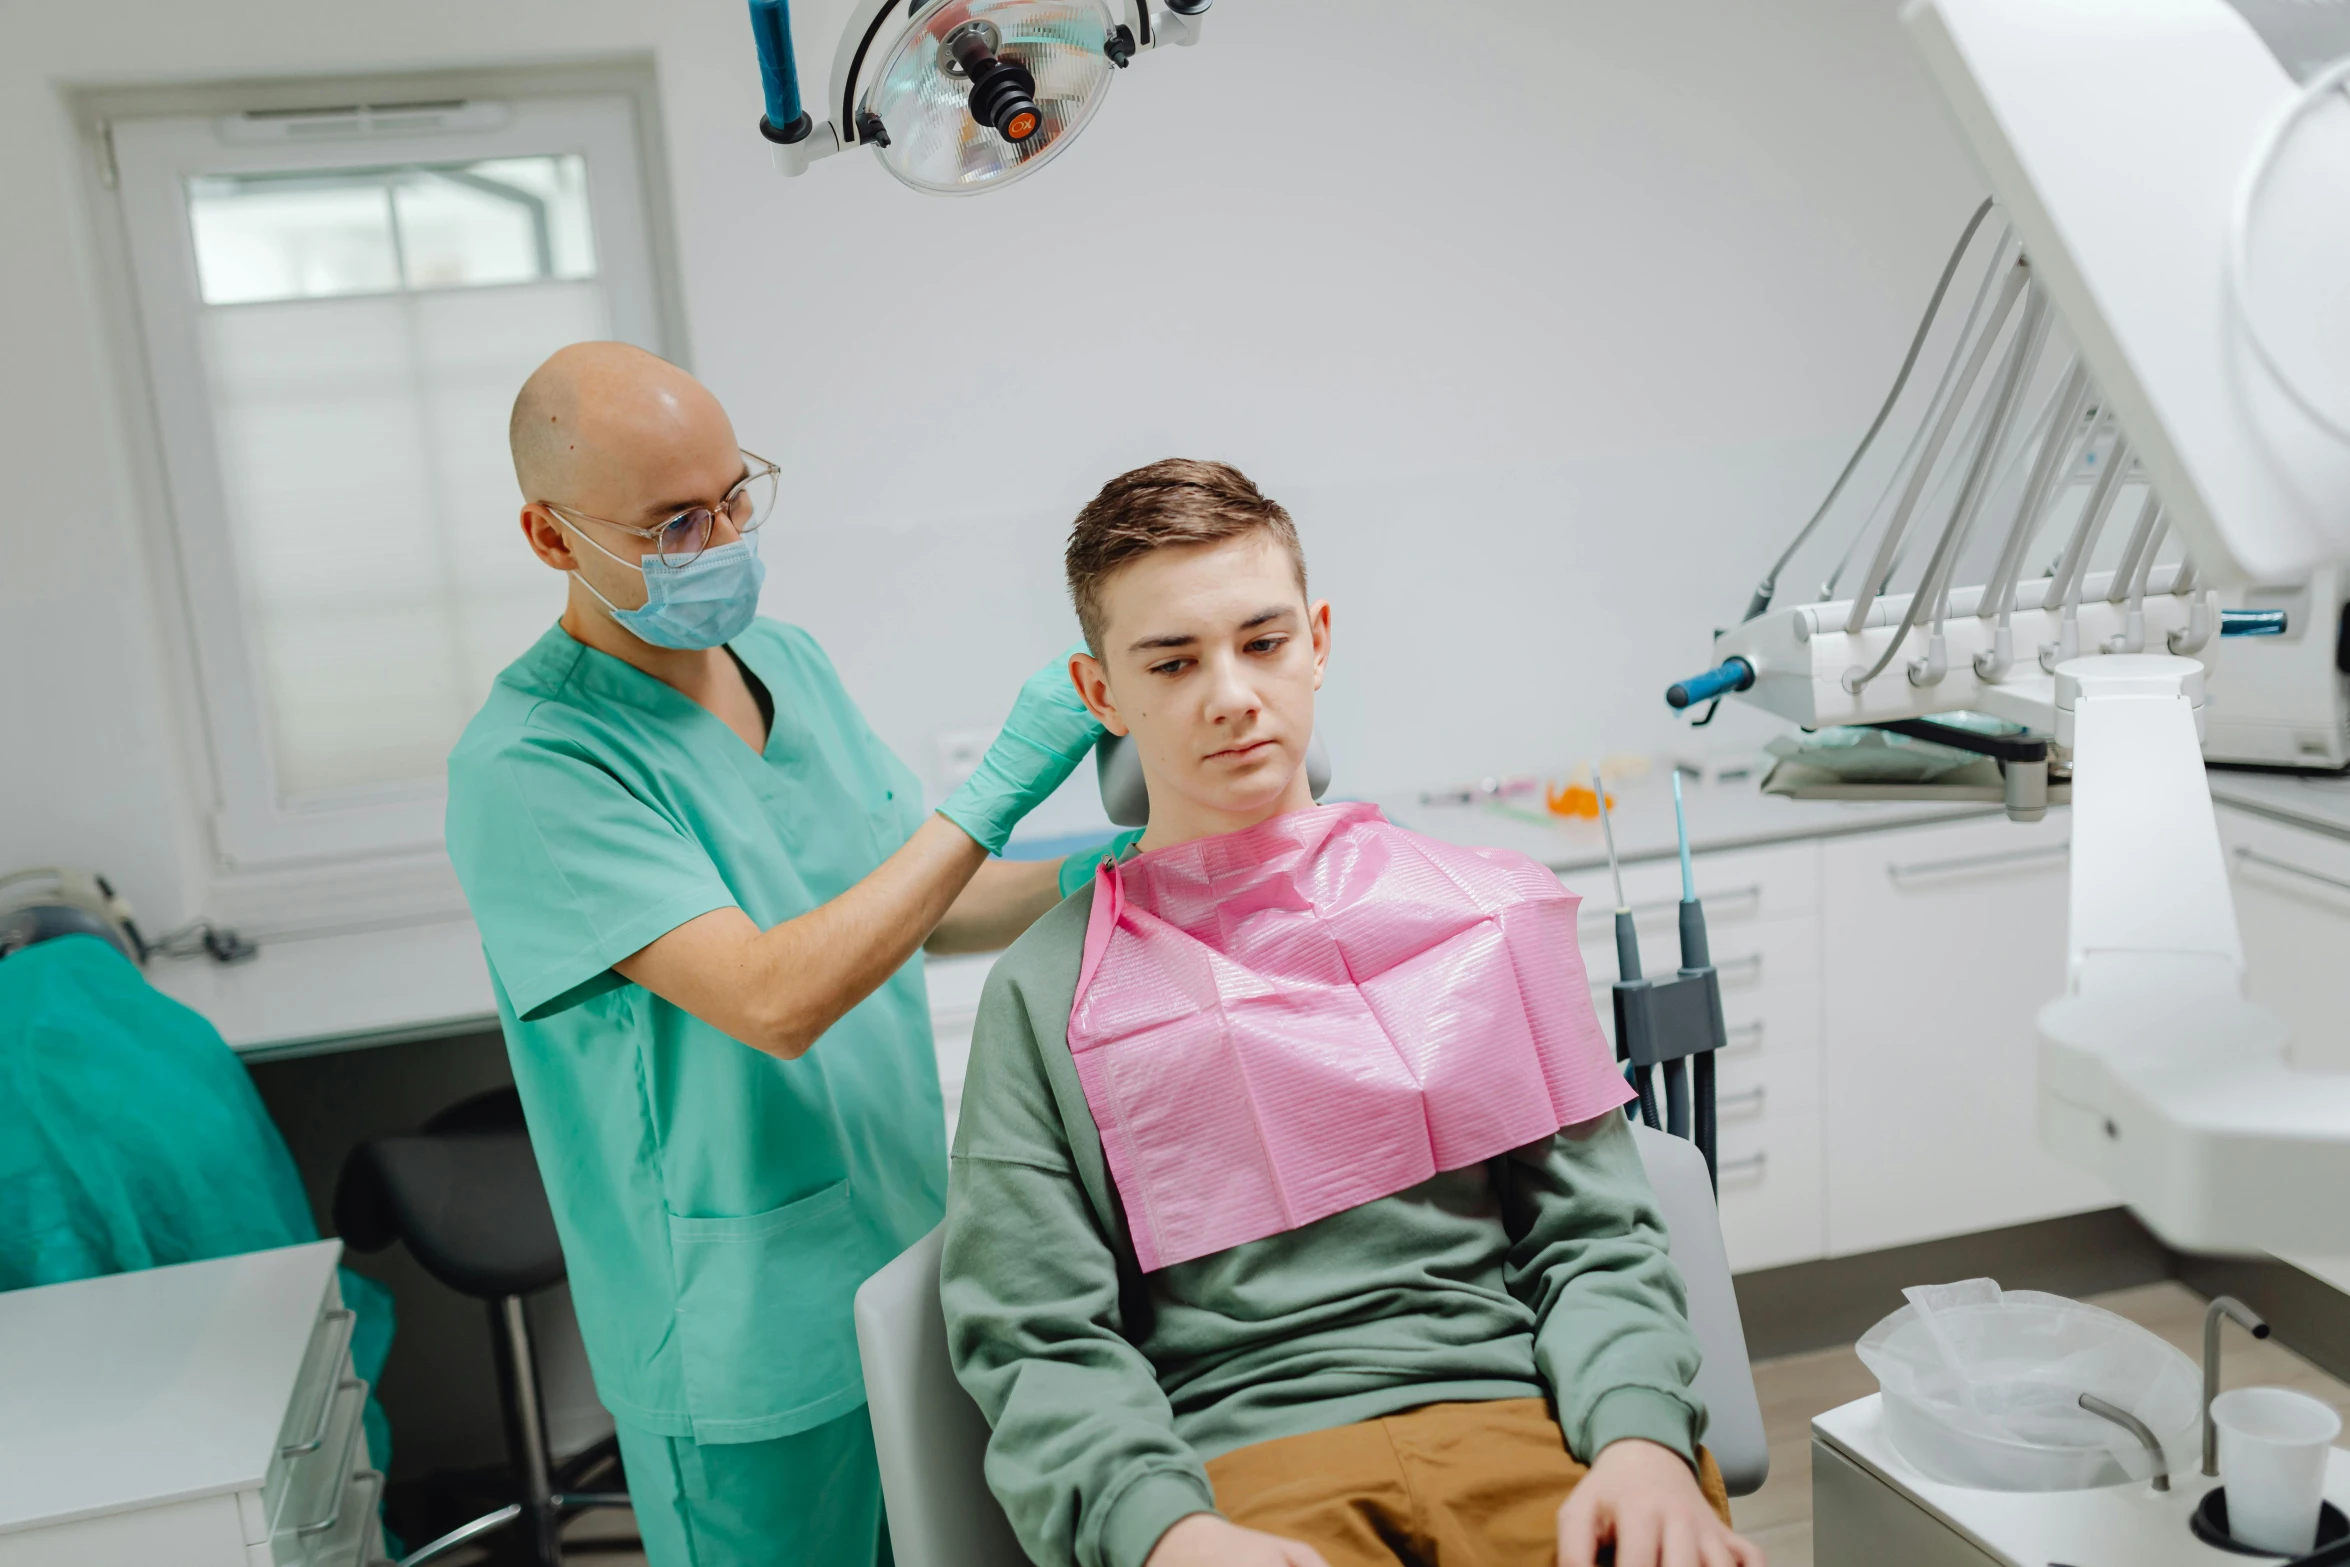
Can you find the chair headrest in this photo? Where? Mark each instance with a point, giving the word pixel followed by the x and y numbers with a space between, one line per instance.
pixel 1127 799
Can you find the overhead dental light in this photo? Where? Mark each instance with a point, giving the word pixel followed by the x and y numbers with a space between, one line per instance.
pixel 959 96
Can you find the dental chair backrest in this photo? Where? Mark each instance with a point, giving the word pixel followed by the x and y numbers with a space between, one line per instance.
pixel 1685 1195
pixel 932 1439
pixel 1118 769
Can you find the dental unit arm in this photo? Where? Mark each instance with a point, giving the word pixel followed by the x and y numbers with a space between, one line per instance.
pixel 2168 179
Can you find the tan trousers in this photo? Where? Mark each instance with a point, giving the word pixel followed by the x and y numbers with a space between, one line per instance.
pixel 1447 1485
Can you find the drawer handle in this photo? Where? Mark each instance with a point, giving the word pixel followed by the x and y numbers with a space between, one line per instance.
pixel 2246 856
pixel 1750 893
pixel 1751 1100
pixel 372 1482
pixel 1744 1040
pixel 1753 1164
pixel 1926 870
pixel 358 1424
pixel 326 1405
pixel 1747 968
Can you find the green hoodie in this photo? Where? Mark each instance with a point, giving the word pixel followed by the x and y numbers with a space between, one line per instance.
pixel 1540 1273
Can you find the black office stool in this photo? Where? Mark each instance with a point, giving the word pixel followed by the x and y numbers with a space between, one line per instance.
pixel 465 1194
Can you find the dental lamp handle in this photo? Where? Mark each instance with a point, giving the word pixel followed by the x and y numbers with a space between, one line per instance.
pixel 779 73
pixel 1732 674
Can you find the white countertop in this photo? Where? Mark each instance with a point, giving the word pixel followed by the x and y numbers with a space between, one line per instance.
pixel 1721 817
pixel 2321 804
pixel 2112 1524
pixel 313 994
pixel 138 1389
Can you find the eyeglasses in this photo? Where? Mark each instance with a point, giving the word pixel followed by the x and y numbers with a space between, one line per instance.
pixel 681 540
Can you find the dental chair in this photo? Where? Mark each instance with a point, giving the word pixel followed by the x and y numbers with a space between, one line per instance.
pixel 933 1440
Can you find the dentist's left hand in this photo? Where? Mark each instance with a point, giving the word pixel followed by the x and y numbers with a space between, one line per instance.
pixel 1047 735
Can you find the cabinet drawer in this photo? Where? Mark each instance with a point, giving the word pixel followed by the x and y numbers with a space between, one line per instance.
pixel 356 1540
pixel 1752 1085
pixel 1770 975
pixel 309 1506
pixel 2292 889
pixel 1736 888
pixel 1771 1197
pixel 1752 1081
pixel 1938 947
pixel 197 1532
pixel 326 1364
pixel 955 985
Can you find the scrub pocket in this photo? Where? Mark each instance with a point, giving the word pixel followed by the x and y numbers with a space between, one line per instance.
pixel 763 1315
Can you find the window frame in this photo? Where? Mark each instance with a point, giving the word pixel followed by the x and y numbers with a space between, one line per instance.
pixel 252 828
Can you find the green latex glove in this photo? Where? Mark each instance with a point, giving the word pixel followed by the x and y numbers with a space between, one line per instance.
pixel 1048 734
pixel 1078 868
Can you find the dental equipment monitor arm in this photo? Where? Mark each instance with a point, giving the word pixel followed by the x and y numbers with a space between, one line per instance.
pixel 2151 392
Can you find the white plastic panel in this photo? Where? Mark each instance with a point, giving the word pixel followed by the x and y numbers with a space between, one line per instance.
pixel 2115 133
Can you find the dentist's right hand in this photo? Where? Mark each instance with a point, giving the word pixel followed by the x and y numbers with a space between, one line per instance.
pixel 1207 1540
pixel 1049 733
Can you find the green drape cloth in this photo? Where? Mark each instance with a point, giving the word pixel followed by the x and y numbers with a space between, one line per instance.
pixel 131 1137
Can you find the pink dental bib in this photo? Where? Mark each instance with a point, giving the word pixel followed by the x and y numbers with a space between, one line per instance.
pixel 1280 1024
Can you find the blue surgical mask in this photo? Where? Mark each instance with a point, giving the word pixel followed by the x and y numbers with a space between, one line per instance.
pixel 709 600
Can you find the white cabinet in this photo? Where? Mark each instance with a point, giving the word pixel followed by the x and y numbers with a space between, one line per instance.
pixel 1763 931
pixel 954 984
pixel 2293 909
pixel 1938 946
pixel 2292 888
pixel 203 1415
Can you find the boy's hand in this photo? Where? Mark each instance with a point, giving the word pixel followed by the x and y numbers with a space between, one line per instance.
pixel 1643 1497
pixel 1205 1540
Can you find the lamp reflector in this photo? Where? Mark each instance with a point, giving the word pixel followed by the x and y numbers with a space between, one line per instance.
pixel 976 93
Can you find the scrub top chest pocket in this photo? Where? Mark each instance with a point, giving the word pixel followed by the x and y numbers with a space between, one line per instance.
pixel 784 1278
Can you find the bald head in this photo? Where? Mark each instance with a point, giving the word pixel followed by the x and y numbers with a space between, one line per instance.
pixel 607 425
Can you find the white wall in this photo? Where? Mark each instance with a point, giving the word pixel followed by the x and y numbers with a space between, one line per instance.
pixel 1547 320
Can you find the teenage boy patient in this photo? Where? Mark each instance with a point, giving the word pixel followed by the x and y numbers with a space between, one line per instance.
pixel 1294 1218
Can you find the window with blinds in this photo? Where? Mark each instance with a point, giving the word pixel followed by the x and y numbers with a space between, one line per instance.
pixel 338 320
pixel 363 334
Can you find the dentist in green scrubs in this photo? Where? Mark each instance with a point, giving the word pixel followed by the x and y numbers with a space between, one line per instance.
pixel 703 886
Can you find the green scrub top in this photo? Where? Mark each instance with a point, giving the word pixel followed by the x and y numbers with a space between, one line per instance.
pixel 718 1207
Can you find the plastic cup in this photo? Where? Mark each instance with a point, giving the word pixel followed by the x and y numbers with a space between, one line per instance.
pixel 2272 1459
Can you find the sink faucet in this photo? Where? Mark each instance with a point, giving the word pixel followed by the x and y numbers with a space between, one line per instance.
pixel 2249 1320
pixel 2137 1428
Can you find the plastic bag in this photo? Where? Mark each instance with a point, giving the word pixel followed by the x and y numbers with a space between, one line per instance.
pixel 1982 1388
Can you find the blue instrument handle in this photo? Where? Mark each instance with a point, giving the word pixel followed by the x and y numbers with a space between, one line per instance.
pixel 1731 674
pixel 2251 622
pixel 779 73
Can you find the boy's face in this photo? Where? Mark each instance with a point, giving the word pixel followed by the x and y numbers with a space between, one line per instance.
pixel 1210 660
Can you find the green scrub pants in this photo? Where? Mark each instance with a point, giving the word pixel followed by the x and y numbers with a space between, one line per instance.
pixel 810 1500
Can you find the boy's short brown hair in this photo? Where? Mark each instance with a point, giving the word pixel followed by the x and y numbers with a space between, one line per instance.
pixel 1173 502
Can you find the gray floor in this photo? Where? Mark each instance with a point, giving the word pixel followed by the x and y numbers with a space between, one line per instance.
pixel 1778 1517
